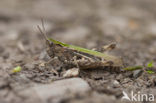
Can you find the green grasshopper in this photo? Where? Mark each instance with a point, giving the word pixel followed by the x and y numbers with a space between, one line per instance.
pixel 81 57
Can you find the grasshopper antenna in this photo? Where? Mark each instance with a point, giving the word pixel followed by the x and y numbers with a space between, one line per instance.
pixel 43 32
pixel 43 27
pixel 44 35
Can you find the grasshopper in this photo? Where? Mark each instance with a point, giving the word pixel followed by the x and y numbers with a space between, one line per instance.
pixel 81 57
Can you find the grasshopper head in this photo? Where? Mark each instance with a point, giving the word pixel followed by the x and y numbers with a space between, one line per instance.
pixel 50 49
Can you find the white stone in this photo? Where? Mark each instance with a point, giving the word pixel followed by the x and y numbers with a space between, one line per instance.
pixel 74 72
pixel 61 87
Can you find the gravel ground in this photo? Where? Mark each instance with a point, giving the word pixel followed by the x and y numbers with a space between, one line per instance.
pixel 87 23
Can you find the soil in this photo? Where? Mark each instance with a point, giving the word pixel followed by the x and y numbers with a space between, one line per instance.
pixel 87 23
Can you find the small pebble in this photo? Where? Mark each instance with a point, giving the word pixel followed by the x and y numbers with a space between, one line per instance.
pixel 116 84
pixel 71 73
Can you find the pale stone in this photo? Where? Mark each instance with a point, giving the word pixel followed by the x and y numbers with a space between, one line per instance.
pixel 61 87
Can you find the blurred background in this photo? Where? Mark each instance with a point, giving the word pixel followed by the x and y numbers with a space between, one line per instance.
pixel 87 23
